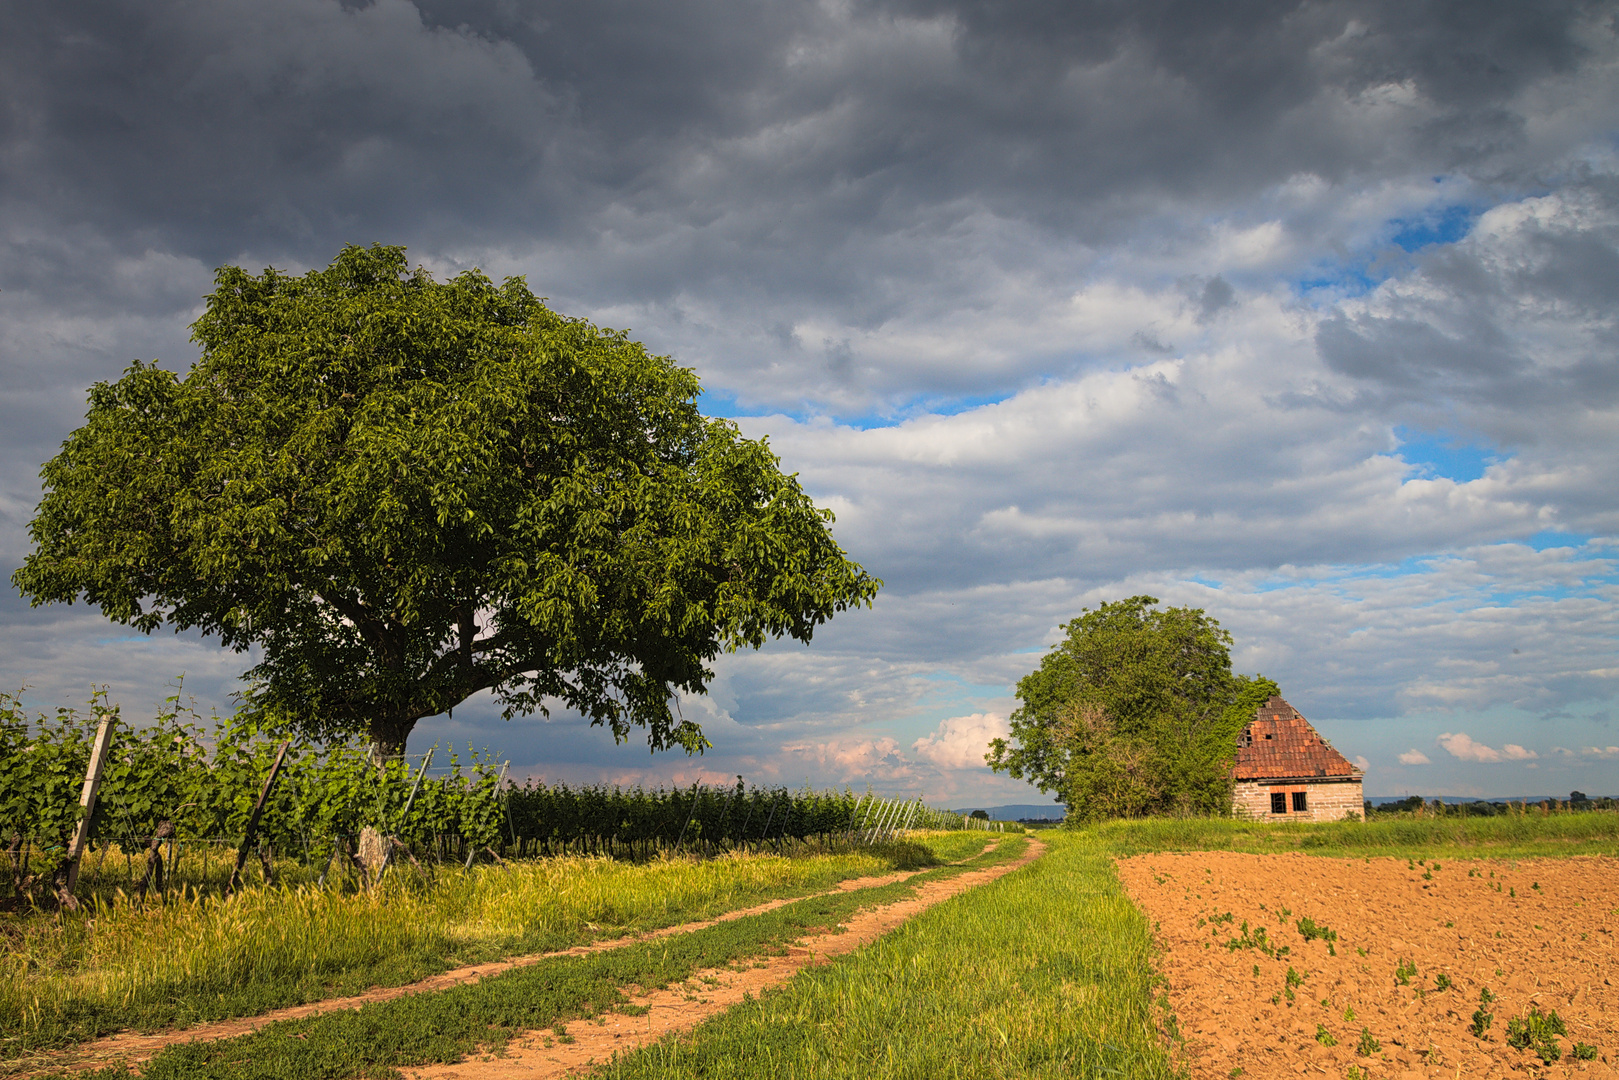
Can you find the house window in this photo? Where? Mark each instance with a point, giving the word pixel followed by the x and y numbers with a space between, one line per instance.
pixel 1278 802
pixel 1300 804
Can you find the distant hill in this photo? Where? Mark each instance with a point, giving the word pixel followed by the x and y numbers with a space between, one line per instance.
pixel 1019 810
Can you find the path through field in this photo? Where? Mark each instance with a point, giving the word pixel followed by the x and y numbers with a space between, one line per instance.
pixel 537 1054
pixel 1417 945
pixel 134 1048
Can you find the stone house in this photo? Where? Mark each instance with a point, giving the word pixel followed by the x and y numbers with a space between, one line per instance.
pixel 1285 771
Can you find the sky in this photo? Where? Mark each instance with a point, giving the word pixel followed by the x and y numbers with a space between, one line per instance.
pixel 1305 314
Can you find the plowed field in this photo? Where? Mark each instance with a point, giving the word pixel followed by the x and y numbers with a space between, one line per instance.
pixel 1251 993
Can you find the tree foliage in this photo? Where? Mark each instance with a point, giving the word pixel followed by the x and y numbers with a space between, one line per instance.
pixel 405 492
pixel 1135 712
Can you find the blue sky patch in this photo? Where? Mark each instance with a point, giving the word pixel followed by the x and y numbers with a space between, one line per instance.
pixel 1556 538
pixel 1442 225
pixel 714 402
pixel 1439 454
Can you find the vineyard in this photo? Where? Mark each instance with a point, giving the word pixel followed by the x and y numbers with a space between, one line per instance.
pixel 177 786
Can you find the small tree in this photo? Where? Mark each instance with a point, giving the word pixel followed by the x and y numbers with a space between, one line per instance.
pixel 406 492
pixel 1135 712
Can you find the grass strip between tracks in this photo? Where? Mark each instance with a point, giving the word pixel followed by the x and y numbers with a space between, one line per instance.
pixel 1047 972
pixel 445 1026
pixel 70 977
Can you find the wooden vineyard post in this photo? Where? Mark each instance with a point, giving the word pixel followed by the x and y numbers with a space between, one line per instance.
pixel 253 818
pixel 689 816
pixel 505 801
pixel 854 814
pixel 387 856
pixel 911 814
pixel 87 800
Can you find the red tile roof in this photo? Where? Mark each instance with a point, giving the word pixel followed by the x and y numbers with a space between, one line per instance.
pixel 1281 744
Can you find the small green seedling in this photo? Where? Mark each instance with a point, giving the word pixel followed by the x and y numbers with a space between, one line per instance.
pixel 1535 1030
pixel 1349 1014
pixel 1310 930
pixel 1403 973
pixel 1481 1022
pixel 1367 1045
pixel 1442 982
pixel 1485 996
pixel 1324 1037
pixel 1584 1052
pixel 1355 1073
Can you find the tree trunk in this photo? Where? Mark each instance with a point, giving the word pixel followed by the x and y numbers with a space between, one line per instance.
pixel 388 735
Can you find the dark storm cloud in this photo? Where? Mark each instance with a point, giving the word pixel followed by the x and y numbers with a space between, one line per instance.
pixel 231 126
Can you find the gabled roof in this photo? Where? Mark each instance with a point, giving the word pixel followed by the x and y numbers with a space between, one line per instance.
pixel 1281 744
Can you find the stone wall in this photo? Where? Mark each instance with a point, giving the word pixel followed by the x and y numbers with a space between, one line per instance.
pixel 1326 800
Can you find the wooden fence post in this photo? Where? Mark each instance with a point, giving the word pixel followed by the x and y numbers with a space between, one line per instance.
pixel 404 815
pixel 253 818
pixel 87 799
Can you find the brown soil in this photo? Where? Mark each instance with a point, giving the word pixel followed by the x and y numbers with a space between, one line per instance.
pixel 539 1054
pixel 1551 947
pixel 133 1047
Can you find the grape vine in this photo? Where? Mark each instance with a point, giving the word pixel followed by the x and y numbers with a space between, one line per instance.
pixel 189 779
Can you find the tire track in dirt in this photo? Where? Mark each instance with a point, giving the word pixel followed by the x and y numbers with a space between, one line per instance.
pixel 535 1055
pixel 133 1047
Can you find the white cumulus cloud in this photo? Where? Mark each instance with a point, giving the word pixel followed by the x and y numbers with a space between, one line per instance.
pixel 1414 757
pixel 961 741
pixel 1461 745
pixel 1514 752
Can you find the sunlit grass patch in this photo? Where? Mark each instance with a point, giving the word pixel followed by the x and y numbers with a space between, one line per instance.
pixel 447 1025
pixel 67 977
pixel 1505 836
pixel 1046 972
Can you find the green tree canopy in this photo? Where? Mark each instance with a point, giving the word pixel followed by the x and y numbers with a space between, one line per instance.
pixel 406 491
pixel 1135 712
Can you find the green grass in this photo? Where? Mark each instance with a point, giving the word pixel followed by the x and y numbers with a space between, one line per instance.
pixel 1044 973
pixel 69 977
pixel 1508 836
pixel 446 1026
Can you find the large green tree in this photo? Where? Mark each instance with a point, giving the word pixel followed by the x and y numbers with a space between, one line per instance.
pixel 1136 711
pixel 406 491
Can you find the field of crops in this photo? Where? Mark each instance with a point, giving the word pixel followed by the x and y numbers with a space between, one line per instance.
pixel 174 795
